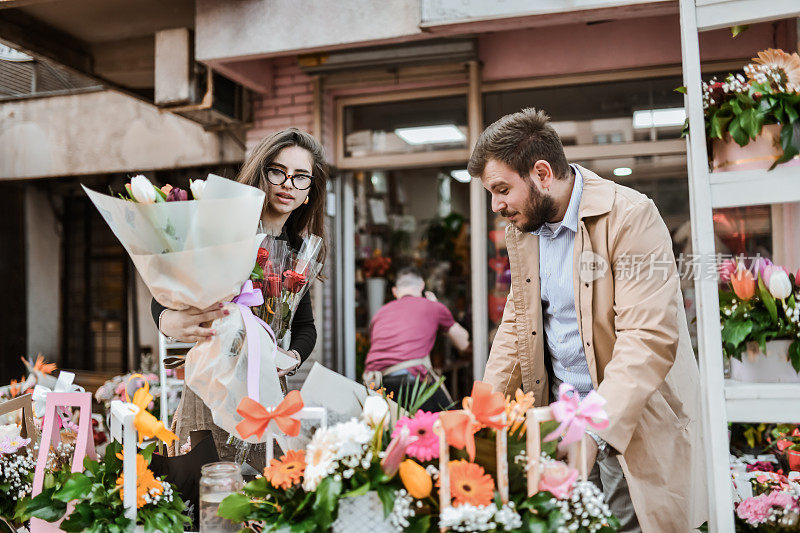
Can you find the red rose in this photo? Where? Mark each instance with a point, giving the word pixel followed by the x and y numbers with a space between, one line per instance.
pixel 293 281
pixel 258 285
pixel 716 92
pixel 273 286
pixel 262 257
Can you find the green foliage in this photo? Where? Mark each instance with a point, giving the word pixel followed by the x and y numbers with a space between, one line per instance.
pixel 411 398
pixel 97 501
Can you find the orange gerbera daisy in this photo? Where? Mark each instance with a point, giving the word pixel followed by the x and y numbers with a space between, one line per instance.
pixel 145 481
pixel 286 471
pixel 789 63
pixel 470 484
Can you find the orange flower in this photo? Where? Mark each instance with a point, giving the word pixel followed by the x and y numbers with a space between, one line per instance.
pixel 416 479
pixel 41 365
pixel 145 481
pixel 470 484
pixel 789 63
pixel 517 408
pixel 13 389
pixel 166 189
pixel 743 282
pixel 286 471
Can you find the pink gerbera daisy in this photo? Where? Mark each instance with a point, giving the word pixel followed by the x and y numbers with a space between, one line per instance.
pixel 426 447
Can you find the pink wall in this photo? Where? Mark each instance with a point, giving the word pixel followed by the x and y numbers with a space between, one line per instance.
pixel 615 45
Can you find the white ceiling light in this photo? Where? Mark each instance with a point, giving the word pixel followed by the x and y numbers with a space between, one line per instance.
pixel 446 133
pixel 460 175
pixel 659 118
pixel 623 171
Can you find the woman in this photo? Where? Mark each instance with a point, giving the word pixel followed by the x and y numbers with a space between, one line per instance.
pixel 290 168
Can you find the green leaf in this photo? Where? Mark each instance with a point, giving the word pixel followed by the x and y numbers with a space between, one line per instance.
pixel 794 355
pixel 386 495
pixel 325 503
pixel 736 30
pixel 738 133
pixel 768 300
pixel 734 332
pixel 360 491
pixel 76 486
pixel 681 89
pixel 235 507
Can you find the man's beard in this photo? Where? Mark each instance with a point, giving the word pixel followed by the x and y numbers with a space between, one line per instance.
pixel 539 208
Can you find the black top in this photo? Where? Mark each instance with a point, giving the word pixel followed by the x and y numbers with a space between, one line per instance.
pixel 304 333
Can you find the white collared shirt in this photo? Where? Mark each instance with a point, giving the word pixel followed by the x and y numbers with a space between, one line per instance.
pixel 562 335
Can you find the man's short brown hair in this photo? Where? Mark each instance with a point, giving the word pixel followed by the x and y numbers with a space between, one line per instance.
pixel 519 140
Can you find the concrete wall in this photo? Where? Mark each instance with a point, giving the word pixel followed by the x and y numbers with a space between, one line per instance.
pixel 93 133
pixel 43 274
pixel 231 30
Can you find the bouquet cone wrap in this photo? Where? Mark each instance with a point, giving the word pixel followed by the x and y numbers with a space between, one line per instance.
pixel 197 253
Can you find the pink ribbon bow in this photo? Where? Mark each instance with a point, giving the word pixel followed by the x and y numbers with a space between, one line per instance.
pixel 251 297
pixel 575 415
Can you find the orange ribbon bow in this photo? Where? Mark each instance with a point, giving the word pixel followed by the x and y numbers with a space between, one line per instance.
pixel 257 417
pixel 145 423
pixel 486 405
pixel 481 409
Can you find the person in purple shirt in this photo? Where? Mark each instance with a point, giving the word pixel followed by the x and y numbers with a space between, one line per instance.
pixel 402 334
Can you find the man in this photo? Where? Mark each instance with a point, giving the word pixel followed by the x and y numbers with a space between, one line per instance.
pixel 595 287
pixel 402 334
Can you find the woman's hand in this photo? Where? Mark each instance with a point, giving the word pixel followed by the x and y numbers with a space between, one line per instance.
pixel 290 353
pixel 191 325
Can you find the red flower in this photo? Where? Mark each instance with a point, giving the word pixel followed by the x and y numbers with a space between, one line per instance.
pixel 273 285
pixel 293 281
pixel 258 285
pixel 716 92
pixel 262 257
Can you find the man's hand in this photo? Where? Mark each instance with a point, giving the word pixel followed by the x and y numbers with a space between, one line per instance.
pixel 591 454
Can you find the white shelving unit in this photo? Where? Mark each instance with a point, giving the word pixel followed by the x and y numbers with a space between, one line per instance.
pixel 725 400
pixel 167 384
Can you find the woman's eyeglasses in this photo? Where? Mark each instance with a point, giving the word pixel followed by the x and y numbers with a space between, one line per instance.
pixel 277 176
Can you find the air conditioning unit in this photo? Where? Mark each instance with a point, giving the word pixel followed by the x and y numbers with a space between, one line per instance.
pixel 192 90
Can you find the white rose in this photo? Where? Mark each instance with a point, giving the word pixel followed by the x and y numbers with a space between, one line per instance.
pixel 779 285
pixel 142 190
pixel 375 410
pixel 197 187
pixel 10 431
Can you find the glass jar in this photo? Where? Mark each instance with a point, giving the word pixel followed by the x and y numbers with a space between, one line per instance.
pixel 217 481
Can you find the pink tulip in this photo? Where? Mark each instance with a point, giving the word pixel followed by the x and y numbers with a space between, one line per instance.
pixel 396 451
pixel 726 268
pixel 759 266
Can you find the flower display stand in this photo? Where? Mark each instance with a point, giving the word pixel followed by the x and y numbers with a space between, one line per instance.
pixel 727 400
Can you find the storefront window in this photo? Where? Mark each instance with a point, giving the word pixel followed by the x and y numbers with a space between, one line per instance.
pixel 604 113
pixel 412 126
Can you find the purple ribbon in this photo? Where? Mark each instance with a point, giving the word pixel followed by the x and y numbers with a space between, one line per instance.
pixel 251 297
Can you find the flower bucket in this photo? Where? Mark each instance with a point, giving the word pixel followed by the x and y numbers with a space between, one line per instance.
pixel 760 153
pixel 376 288
pixel 772 367
pixel 793 456
pixel 362 514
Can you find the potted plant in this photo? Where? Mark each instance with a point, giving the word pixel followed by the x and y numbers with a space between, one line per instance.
pixel 760 321
pixel 751 119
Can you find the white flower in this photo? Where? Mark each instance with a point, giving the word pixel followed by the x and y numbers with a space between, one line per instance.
pixel 779 285
pixel 9 430
pixel 198 187
pixel 468 517
pixel 320 458
pixel 351 437
pixel 375 411
pixel 142 190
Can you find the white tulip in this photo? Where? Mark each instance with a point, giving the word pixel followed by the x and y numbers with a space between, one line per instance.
pixel 779 285
pixel 375 410
pixel 142 190
pixel 197 187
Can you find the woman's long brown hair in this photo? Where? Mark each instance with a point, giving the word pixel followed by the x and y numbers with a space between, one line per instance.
pixel 308 218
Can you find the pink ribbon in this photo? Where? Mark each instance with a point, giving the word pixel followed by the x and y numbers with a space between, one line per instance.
pixel 251 297
pixel 575 415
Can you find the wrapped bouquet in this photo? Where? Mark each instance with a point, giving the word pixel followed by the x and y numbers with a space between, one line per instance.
pixel 195 253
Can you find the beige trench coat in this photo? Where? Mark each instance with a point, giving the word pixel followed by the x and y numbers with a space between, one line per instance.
pixel 637 345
